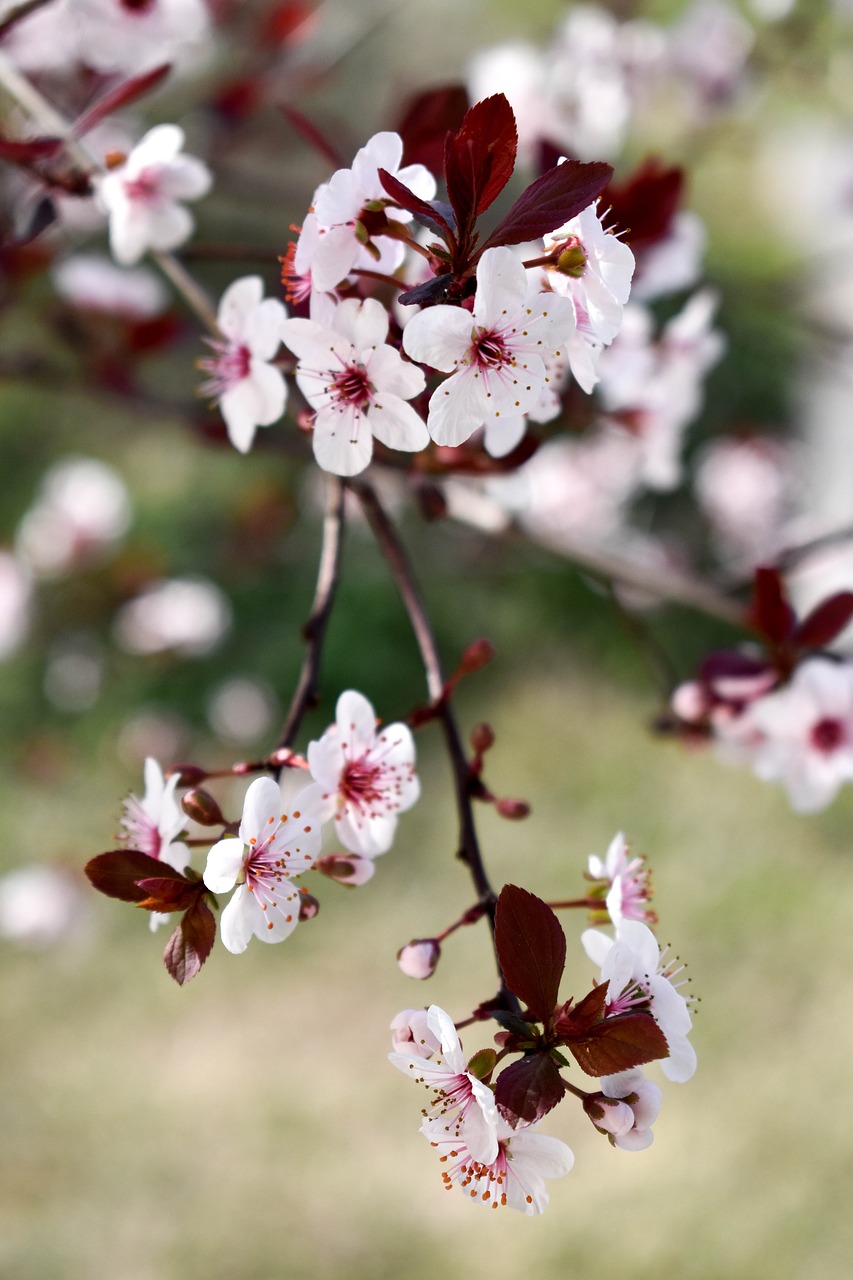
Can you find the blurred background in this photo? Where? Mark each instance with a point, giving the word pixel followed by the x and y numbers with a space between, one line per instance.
pixel 152 589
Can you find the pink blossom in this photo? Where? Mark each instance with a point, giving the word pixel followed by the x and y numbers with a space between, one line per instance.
pixel 250 390
pixel 152 823
pixel 594 270
pixel 273 848
pixel 515 1178
pixel 627 881
pixel 639 1101
pixel 367 777
pixel 462 1106
pixel 357 384
pixel 497 354
pixel 142 197
pixel 418 959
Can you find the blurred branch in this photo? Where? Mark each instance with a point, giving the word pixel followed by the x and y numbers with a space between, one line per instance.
pixel 314 630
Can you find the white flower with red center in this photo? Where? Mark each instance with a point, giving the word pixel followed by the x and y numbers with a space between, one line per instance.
pixel 136 35
pixel 594 268
pixel 629 891
pixel 462 1107
pixel 515 1178
pixel 367 776
pixel 638 1101
pixel 251 392
pixel 356 383
pixel 142 197
pixel 497 354
pixel 641 978
pixel 274 846
pixel 803 733
pixel 337 236
pixel 152 823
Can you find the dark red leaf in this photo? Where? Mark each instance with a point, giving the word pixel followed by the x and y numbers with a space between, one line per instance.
pixel 29 150
pixel 531 948
pixel 480 157
pixel 190 944
pixel 550 201
pixel 121 96
pixel 617 1044
pixel 825 622
pixel 166 894
pixel 311 134
pixel 423 210
pixel 770 614
pixel 118 872
pixel 528 1089
pixel 731 664
pixel 645 204
pixel 426 122
pixel 576 1019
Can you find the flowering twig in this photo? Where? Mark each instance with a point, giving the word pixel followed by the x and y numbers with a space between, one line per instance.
pixel 324 594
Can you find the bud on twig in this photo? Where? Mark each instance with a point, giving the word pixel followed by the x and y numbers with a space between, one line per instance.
pixel 512 809
pixel 201 806
pixel 308 907
pixel 419 958
pixel 189 775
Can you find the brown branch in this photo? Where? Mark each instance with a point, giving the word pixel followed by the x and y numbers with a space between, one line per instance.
pixel 314 631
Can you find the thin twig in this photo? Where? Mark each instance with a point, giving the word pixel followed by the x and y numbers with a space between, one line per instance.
pixel 314 630
pixel 401 569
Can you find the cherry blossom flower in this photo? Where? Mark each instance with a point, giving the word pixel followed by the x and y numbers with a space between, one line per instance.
pixel 629 1123
pixel 81 511
pixel 496 354
pixel 594 269
pixel 367 777
pixel 411 1034
pixel 641 978
pixel 142 196
pixel 462 1107
pixel 135 35
pixel 337 240
pixel 251 392
pixel 187 615
pixel 42 905
pixel 802 733
pixel 515 1178
pixel 273 847
pixel 152 823
pixel 627 881
pixel 357 385
pixel 92 282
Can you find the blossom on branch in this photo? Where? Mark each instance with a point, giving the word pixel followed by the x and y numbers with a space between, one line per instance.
pixel 626 881
pixel 357 385
pixel 250 390
pixel 142 197
pixel 152 823
pixel 273 846
pixel 497 354
pixel 367 777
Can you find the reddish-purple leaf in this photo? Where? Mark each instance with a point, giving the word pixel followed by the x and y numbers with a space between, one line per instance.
pixel 576 1019
pixel 645 204
pixel 311 134
pixel 166 894
pixel 528 1089
pixel 190 944
pixel 423 210
pixel 731 664
pixel 118 872
pixel 825 622
pixel 531 948
pixel 550 201
pixel 480 157
pixel 121 96
pixel 770 613
pixel 617 1044
pixel 29 150
pixel 426 122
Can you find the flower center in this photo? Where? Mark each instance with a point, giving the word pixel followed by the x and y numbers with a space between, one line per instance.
pixel 140 831
pixel 351 387
pixel 360 784
pixel 145 187
pixel 490 351
pixel 230 365
pixel 828 735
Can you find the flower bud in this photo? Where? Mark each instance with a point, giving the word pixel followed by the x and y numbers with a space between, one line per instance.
pixel 512 809
pixel 189 775
pixel 572 261
pixel 482 738
pixel 347 868
pixel 200 805
pixel 308 907
pixel 419 958
pixel 609 1115
pixel 478 655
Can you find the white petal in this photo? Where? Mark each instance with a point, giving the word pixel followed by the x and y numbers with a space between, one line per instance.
pixel 262 810
pixel 397 425
pixel 368 836
pixel 326 759
pixel 186 178
pixel 343 442
pixel 158 146
pixel 457 407
pixel 263 328
pixel 501 286
pixel 236 303
pixel 333 258
pixel 236 924
pixel 681 1063
pixel 439 337
pixel 224 864
pixel 391 374
pixel 363 324
pixel 503 434
pixel 356 721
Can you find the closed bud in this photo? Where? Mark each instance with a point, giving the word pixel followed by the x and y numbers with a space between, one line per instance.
pixel 308 906
pixel 478 655
pixel 200 805
pixel 572 261
pixel 418 959
pixel 512 809
pixel 189 775
pixel 482 737
pixel 609 1115
pixel 346 868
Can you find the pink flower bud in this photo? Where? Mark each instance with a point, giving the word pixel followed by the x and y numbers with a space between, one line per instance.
pixel 512 809
pixel 189 775
pixel 482 737
pixel 418 959
pixel 476 656
pixel 347 868
pixel 609 1115
pixel 200 805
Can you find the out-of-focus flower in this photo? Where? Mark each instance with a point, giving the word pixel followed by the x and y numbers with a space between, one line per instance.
pixel 16 595
pixel 496 355
pixel 152 823
pixel 515 1179
pixel 41 905
pixel 241 709
pixel 462 1107
pixel 251 391
pixel 135 35
pixel 357 384
pixel 350 869
pixel 272 849
pixel 418 959
pixel 640 977
pixel 92 282
pixel 337 239
pixel 708 48
pixel 74 672
pixel 188 615
pixel 142 196
pixel 744 487
pixel 673 263
pixel 81 510
pixel 367 777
